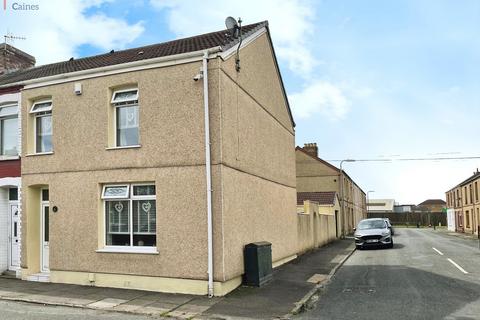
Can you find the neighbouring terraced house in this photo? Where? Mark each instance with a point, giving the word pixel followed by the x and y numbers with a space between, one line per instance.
pixel 12 59
pixel 463 201
pixel 317 175
pixel 151 168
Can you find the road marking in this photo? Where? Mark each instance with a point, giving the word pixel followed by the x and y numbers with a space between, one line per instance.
pixel 456 265
pixel 438 251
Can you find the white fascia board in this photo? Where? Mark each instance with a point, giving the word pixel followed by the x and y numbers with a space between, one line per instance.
pixel 117 69
pixel 10 182
pixel 245 42
pixel 10 98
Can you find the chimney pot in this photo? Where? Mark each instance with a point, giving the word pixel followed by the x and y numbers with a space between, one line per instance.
pixel 311 149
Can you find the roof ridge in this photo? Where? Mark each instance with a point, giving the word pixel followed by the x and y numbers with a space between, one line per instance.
pixel 68 63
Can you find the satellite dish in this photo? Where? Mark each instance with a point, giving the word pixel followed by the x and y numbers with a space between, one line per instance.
pixel 231 23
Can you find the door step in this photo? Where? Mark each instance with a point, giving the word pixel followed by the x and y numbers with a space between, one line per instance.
pixel 9 274
pixel 39 277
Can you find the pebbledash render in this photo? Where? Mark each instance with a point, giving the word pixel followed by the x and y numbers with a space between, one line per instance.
pixel 115 165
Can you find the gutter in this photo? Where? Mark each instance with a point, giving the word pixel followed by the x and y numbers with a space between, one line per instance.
pixel 114 69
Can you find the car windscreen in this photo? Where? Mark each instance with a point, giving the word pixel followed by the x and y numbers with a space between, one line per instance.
pixel 371 224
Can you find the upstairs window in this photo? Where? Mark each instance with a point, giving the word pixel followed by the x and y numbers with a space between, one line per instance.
pixel 125 103
pixel 42 112
pixel 9 130
pixel 130 215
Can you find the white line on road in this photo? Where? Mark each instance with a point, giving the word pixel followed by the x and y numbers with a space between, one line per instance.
pixel 456 265
pixel 438 251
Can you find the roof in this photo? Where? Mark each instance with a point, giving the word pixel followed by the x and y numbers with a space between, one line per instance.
pixel 475 176
pixel 323 198
pixel 433 202
pixel 185 45
pixel 328 165
pixel 381 205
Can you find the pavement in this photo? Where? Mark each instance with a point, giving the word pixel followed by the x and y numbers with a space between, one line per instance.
pixel 291 290
pixel 428 274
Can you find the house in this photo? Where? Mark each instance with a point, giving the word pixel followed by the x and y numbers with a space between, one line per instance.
pixel 463 200
pixel 317 175
pixel 10 182
pixel 432 205
pixel 151 168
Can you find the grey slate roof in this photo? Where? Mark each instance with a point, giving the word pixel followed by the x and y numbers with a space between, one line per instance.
pixel 191 44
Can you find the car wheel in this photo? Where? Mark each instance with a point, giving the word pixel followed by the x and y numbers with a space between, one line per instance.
pixel 390 245
pixel 358 247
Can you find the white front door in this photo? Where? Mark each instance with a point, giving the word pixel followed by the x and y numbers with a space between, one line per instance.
pixel 45 267
pixel 13 237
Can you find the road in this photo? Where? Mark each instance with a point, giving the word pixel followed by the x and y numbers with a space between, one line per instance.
pixel 10 310
pixel 427 275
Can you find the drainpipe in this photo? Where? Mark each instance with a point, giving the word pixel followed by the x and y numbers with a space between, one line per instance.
pixel 208 174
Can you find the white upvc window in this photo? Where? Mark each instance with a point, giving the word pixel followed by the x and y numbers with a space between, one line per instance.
pixel 130 215
pixel 42 113
pixel 125 103
pixel 9 130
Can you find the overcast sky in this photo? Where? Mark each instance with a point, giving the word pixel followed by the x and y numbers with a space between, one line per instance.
pixel 365 79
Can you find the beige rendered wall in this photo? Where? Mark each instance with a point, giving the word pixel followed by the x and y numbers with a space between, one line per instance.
pixel 315 226
pixel 258 159
pixel 171 155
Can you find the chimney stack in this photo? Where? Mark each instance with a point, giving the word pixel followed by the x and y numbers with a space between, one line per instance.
pixel 311 149
pixel 13 59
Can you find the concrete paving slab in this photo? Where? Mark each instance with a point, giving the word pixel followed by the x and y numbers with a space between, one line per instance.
pixel 317 278
pixel 107 303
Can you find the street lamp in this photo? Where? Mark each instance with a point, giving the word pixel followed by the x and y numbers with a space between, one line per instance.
pixel 342 200
pixel 367 197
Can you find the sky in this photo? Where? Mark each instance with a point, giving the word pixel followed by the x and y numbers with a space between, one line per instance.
pixel 373 79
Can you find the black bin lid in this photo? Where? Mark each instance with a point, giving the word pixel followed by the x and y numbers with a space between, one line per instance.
pixel 258 244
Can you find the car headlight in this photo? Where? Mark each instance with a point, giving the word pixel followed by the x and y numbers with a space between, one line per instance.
pixel 386 233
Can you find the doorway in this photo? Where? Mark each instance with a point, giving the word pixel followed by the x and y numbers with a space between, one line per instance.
pixel 13 236
pixel 44 233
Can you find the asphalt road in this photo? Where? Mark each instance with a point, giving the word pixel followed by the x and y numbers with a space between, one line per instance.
pixel 422 277
pixel 10 310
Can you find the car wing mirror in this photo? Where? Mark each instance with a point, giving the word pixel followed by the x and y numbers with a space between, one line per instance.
pixel 354 229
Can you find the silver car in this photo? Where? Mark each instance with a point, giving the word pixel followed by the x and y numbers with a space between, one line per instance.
pixel 373 232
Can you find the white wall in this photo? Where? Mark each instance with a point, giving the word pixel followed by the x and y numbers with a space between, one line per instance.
pixel 3 229
pixel 5 184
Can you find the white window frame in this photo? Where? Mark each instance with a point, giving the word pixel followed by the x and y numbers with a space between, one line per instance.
pixel 130 198
pixel 124 103
pixel 115 197
pixel 49 109
pixel 37 114
pixel 7 116
pixel 124 100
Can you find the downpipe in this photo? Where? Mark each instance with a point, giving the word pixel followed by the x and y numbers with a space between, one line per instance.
pixel 208 174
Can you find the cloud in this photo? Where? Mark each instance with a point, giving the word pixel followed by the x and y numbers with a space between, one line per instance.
pixel 291 23
pixel 320 97
pixel 56 31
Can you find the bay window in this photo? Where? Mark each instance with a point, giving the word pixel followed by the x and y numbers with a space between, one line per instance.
pixel 125 103
pixel 130 215
pixel 42 112
pixel 9 130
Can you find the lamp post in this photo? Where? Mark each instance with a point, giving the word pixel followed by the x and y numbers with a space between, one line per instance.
pixel 368 198
pixel 342 193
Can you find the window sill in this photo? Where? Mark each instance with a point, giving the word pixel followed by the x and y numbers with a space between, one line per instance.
pixel 125 147
pixel 39 154
pixel 138 250
pixel 2 158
